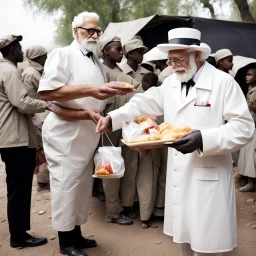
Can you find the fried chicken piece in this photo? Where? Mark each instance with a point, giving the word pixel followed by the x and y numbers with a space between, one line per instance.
pixel 129 86
pixel 182 129
pixel 102 171
pixel 164 126
pixel 171 136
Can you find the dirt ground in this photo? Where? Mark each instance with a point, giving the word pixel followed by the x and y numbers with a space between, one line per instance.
pixel 113 239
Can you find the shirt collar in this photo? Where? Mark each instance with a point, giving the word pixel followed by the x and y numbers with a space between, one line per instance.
pixel 251 89
pixel 127 69
pixel 8 61
pixel 197 74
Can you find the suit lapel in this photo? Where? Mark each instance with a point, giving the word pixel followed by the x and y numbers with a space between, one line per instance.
pixel 97 62
pixel 190 97
pixel 204 82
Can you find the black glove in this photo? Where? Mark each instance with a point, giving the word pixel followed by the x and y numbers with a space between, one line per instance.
pixel 189 144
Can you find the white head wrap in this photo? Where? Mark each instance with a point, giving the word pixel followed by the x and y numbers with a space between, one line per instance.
pixel 35 51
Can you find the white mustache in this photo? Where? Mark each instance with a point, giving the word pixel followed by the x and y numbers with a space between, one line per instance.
pixel 92 40
pixel 180 69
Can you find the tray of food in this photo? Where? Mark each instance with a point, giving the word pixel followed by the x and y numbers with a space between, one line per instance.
pixel 152 135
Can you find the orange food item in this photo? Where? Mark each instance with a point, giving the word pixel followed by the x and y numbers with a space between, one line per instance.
pixel 104 169
pixel 129 86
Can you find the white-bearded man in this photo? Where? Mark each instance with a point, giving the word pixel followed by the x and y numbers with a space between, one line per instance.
pixel 200 211
pixel 74 78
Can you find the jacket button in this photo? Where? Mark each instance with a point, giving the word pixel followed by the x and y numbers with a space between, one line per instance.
pixel 175 185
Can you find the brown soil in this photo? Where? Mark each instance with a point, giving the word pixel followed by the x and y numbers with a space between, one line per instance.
pixel 113 239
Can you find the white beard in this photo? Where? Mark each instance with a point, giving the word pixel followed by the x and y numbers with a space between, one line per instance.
pixel 188 72
pixel 84 42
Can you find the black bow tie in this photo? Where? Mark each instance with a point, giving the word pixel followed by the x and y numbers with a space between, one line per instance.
pixel 187 84
pixel 90 55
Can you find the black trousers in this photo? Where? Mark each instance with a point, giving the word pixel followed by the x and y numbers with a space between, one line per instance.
pixel 19 165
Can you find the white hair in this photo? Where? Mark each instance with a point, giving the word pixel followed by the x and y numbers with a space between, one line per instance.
pixel 79 19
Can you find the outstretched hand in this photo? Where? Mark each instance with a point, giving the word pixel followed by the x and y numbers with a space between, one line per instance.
pixel 104 125
pixel 189 142
pixel 110 89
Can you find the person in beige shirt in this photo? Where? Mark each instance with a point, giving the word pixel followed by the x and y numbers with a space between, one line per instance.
pixel 116 189
pixel 37 56
pixel 145 172
pixel 134 51
pixel 247 157
pixel 17 141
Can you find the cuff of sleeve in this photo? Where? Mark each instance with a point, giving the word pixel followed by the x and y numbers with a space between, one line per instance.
pixel 47 86
pixel 116 120
pixel 209 143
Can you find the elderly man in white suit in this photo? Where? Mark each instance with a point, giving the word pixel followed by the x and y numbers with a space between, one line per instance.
pixel 200 211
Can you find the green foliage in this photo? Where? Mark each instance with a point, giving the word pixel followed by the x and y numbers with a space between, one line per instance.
pixel 252 5
pixel 125 10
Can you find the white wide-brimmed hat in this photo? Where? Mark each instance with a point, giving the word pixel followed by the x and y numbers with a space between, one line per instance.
pixel 185 38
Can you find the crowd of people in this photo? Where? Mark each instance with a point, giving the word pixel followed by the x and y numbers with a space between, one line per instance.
pixel 53 115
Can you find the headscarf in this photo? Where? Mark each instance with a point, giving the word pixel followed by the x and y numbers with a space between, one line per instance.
pixel 34 52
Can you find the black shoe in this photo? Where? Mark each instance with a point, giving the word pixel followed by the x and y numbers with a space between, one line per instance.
pixel 82 243
pixel 72 251
pixel 121 220
pixel 30 242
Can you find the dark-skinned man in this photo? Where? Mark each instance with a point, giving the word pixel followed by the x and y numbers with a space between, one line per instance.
pixel 111 48
pixel 31 76
pixel 17 142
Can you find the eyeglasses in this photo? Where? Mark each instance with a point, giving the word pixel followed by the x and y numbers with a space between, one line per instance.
pixel 91 31
pixel 177 61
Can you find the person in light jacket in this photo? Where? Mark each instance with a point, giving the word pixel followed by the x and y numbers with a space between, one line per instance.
pixel 18 141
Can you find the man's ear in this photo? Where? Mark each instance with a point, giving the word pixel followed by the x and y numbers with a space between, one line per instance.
pixel 128 56
pixel 12 51
pixel 75 31
pixel 198 56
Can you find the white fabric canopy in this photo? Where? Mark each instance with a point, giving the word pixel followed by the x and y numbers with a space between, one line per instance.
pixel 126 30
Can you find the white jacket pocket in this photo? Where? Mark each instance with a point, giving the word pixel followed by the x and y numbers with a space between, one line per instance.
pixel 209 174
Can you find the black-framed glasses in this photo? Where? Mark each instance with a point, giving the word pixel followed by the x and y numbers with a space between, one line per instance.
pixel 91 31
pixel 177 61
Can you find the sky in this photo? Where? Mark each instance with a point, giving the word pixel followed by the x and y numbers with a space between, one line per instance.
pixel 36 28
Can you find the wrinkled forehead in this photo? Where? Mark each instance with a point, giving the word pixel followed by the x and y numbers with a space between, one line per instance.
pixel 177 53
pixel 90 22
